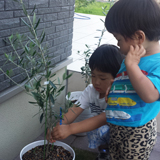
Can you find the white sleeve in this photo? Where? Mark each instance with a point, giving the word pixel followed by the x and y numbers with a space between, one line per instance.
pixel 84 99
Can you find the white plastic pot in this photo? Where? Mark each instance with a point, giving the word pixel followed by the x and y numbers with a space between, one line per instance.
pixel 41 142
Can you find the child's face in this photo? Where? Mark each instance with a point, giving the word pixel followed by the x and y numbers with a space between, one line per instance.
pixel 101 81
pixel 123 43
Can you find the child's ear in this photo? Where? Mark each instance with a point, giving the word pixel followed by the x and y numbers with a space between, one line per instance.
pixel 112 80
pixel 108 90
pixel 140 36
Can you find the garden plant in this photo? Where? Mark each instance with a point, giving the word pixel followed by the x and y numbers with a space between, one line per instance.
pixel 83 3
pixel 85 70
pixel 36 68
pixel 93 7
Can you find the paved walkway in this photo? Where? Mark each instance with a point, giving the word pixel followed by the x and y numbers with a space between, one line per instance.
pixel 86 28
pixel 85 33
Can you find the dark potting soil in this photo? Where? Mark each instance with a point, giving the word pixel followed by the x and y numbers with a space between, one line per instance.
pixel 55 153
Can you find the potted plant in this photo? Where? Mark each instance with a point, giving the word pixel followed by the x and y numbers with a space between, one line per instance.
pixel 39 82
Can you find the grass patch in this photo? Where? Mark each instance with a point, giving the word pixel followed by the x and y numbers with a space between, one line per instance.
pixel 94 8
pixel 84 155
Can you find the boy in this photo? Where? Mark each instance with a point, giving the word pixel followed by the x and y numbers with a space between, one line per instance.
pixel 133 101
pixel 104 63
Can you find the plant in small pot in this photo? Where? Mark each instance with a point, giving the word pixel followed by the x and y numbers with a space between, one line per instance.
pixel 39 82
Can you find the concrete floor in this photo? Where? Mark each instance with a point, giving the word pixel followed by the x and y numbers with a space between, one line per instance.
pixel 85 31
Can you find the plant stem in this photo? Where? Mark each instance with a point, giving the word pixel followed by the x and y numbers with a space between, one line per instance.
pixel 11 79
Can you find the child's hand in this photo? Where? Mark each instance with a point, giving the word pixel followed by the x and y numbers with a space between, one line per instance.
pixel 49 136
pixel 61 132
pixel 134 55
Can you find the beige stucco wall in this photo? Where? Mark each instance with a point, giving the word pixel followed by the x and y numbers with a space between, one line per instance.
pixel 18 127
pixel 76 82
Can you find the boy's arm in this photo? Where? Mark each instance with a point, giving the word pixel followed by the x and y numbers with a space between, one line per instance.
pixel 72 114
pixel 142 85
pixel 68 118
pixel 63 131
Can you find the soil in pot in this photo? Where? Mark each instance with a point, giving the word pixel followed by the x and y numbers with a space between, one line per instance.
pixel 55 152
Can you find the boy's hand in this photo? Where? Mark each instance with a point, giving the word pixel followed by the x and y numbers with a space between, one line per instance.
pixel 49 136
pixel 61 132
pixel 134 55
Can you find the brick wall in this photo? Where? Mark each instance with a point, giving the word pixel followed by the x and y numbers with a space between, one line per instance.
pixel 57 19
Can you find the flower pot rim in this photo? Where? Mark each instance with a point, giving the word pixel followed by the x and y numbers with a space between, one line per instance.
pixel 41 142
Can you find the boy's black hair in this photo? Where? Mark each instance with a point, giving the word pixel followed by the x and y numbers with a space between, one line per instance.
pixel 127 16
pixel 106 58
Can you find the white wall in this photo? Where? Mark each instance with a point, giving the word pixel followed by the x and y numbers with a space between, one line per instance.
pixel 76 82
pixel 18 127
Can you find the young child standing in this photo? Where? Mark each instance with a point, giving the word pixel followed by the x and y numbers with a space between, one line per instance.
pixel 104 63
pixel 133 101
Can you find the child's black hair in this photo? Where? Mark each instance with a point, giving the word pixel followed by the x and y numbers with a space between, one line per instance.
pixel 106 58
pixel 127 16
